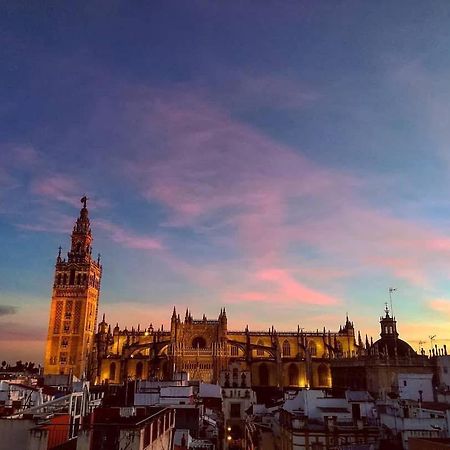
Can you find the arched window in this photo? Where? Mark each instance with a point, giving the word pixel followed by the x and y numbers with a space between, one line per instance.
pixel 324 375
pixel 260 351
pixel 112 371
pixel 234 350
pixel 286 348
pixel 139 370
pixel 79 279
pixel 263 372
pixel 312 348
pixel 293 375
pixel 59 279
pixel 199 342
pixel 65 279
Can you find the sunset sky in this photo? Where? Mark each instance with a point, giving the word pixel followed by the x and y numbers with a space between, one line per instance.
pixel 289 160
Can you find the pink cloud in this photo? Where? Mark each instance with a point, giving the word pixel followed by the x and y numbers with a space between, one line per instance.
pixel 62 188
pixel 279 286
pixel 127 238
pixel 440 305
pixel 243 190
pixel 50 222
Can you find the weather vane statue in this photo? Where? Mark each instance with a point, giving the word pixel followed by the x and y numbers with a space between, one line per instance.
pixel 84 201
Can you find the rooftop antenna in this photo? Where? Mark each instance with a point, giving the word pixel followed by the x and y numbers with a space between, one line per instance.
pixel 391 290
pixel 432 338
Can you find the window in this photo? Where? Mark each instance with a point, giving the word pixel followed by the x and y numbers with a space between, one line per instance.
pixel 312 348
pixel 263 372
pixel 404 383
pixel 112 371
pixel 235 410
pixel 293 375
pixel 139 370
pixel 286 348
pixel 234 350
pixel 323 373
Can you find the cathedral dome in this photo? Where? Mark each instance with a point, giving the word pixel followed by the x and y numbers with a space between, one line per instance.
pixel 389 345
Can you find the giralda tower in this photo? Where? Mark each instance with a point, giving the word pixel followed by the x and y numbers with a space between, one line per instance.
pixel 73 312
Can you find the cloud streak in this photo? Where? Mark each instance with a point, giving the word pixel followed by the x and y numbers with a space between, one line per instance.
pixel 6 310
pixel 127 238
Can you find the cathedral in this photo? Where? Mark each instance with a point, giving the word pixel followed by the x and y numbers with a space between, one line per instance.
pixel 201 347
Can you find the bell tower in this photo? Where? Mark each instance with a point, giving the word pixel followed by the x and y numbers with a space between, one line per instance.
pixel 74 304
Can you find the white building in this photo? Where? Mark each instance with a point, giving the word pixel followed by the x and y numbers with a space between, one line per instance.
pixel 415 386
pixel 412 419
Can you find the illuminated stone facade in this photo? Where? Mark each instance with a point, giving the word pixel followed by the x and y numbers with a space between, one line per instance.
pixel 74 305
pixel 204 348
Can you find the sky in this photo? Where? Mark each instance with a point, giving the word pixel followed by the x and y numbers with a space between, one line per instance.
pixel 287 160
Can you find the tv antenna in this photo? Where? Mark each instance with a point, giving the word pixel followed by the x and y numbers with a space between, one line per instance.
pixel 391 290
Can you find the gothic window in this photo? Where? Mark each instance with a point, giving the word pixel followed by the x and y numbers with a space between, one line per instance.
pixel 199 342
pixel 63 358
pixel 286 348
pixel 84 279
pixel 263 372
pixel 323 373
pixel 59 279
pixel 234 350
pixel 293 375
pixel 79 279
pixel 65 279
pixel 260 351
pixel 64 342
pixel 112 371
pixel 312 348
pixel 139 370
pixel 72 277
